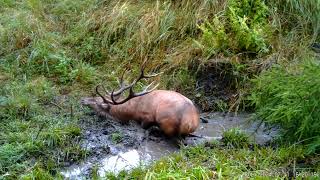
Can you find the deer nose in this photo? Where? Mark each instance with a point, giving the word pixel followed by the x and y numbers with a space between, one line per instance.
pixel 86 101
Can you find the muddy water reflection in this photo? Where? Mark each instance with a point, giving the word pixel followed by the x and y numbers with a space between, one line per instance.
pixel 122 161
pixel 144 155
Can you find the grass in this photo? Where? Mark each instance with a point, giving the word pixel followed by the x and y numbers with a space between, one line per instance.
pixel 35 134
pixel 54 52
pixel 215 161
pixel 235 138
pixel 281 98
pixel 116 137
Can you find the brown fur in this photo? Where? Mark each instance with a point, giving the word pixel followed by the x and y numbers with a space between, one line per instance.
pixel 172 112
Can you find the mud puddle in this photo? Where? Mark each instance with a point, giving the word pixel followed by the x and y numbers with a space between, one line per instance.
pixel 113 146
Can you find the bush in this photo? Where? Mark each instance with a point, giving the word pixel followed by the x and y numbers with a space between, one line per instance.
pixel 243 27
pixel 290 97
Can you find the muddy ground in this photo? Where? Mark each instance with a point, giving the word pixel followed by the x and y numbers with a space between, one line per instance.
pixel 113 146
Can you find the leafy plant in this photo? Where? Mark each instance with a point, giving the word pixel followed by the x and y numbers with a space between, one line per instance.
pixel 242 27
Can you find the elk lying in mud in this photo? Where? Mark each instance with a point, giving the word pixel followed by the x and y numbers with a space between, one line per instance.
pixel 172 112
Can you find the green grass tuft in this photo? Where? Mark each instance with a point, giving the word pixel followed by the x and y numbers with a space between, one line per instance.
pixel 235 138
pixel 116 137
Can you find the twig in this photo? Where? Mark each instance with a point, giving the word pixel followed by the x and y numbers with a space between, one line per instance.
pixel 71 111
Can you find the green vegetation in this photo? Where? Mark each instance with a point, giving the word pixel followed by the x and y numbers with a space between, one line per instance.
pixel 235 138
pixel 242 27
pixel 290 97
pixel 31 128
pixel 218 162
pixel 116 137
pixel 255 54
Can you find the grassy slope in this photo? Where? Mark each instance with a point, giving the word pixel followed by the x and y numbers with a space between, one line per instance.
pixel 54 48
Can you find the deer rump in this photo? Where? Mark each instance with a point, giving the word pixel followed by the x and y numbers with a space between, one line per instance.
pixel 172 112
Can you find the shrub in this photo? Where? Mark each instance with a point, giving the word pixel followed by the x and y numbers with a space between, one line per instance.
pixel 290 97
pixel 242 27
pixel 247 21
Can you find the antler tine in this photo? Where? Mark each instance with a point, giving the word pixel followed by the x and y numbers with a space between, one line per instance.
pixel 142 75
pixel 146 91
pixel 103 98
pixel 121 84
pixel 121 79
pixel 132 94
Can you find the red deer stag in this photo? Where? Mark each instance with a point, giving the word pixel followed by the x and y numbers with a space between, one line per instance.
pixel 172 112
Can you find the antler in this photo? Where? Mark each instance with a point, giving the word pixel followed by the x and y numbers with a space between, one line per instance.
pixel 124 87
pixel 132 94
pixel 117 93
pixel 104 99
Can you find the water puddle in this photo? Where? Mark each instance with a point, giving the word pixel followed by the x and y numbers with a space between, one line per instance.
pixel 142 147
pixel 122 161
pixel 149 151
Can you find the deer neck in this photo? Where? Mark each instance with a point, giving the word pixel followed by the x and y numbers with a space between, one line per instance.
pixel 124 111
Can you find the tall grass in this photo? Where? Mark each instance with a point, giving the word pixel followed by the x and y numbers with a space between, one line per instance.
pixel 302 16
pixel 286 95
pixel 290 97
